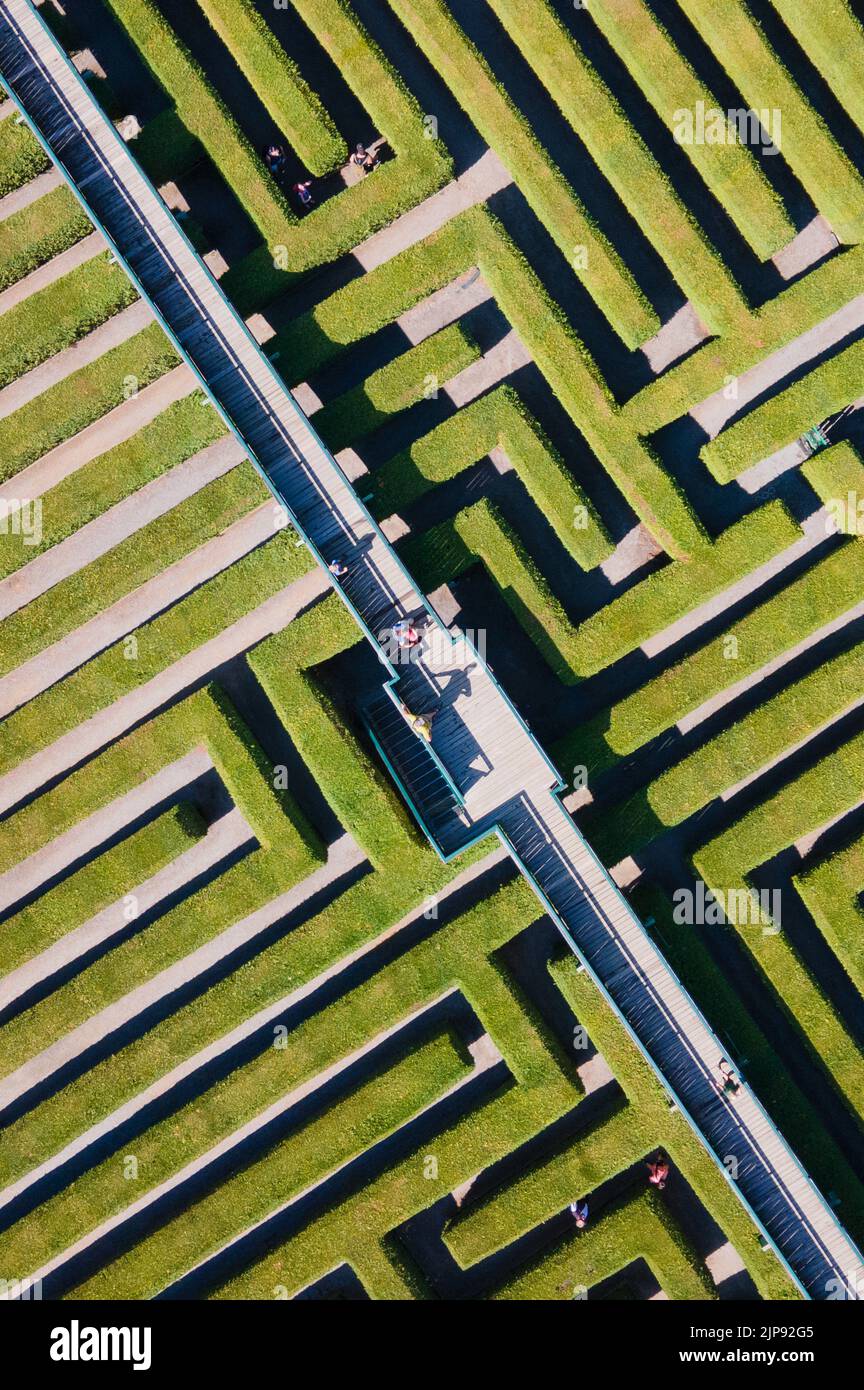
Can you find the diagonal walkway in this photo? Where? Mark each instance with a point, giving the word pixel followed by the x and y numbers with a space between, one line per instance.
pixel 500 777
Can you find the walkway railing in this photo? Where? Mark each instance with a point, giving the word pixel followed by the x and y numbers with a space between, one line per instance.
pixel 485 757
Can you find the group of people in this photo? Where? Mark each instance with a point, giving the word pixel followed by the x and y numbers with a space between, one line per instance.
pixel 275 160
pixel 658 1176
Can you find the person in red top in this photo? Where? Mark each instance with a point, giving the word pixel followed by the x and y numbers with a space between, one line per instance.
pixel 658 1172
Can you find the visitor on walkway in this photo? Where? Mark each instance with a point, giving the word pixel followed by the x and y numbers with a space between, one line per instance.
pixel 337 568
pixel 406 634
pixel 658 1172
pixel 730 1085
pixel 420 723
pixel 303 195
pixel 274 158
pixel 580 1213
pixel 364 159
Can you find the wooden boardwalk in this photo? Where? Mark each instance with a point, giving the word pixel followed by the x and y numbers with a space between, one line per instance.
pixel 483 769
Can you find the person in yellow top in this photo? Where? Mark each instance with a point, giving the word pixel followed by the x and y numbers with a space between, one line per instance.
pixel 420 723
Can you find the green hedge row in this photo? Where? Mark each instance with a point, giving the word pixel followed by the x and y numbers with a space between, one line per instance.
pixel 97 885
pixel 336 226
pixel 278 83
pixel 81 398
pixel 641 1228
pixel 790 1108
pixel 509 133
pixel 396 386
pixel 142 556
pixel 808 147
pixel 831 893
pixel 669 82
pixel 345 1131
pixel 677 589
pixel 783 419
pixel 816 598
pixel 188 624
pixel 180 432
pixel 833 40
pixel 21 156
pixel 787 719
pixel 39 232
pixel 499 419
pixel 618 150
pixel 57 316
pixel 823 793
pixel 836 475
pixel 278 825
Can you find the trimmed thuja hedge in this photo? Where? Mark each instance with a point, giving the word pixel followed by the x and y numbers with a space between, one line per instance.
pixel 780 421
pixel 39 232
pixel 278 82
pixel 733 34
pixel 794 715
pixel 790 1108
pixel 58 315
pixel 336 225
pixel 78 400
pixel 809 603
pixel 497 420
pixel 103 881
pixel 477 238
pixel 814 799
pixel 506 129
pixel 21 156
pixel 831 893
pixel 136 559
pixel 836 475
pixel 185 428
pixel 598 119
pixel 396 386
pixel 667 79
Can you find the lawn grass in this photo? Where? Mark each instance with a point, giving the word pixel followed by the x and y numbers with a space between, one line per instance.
pixel 83 397
pixel 38 232
pixel 55 317
pixel 131 563
pixel 831 892
pixel 94 887
pixel 186 427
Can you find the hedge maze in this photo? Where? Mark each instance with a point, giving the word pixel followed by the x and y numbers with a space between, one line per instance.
pixel 257 1040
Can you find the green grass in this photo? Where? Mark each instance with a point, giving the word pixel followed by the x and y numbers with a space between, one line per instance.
pixel 81 398
pixel 808 147
pixel 831 892
pixel 618 150
pixel 509 133
pixel 497 420
pixel 105 880
pixel 21 156
pixel 400 384
pixel 39 232
pixel 836 475
pixel 783 419
pixel 278 82
pixel 667 79
pixel 57 316
pixel 142 556
pixel 186 427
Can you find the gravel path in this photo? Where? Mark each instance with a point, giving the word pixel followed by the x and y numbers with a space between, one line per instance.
pixel 128 613
pixel 83 251
pixel 30 192
pixel 105 532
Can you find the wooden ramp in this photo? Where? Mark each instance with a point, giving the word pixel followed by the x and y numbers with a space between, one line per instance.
pixel 483 770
